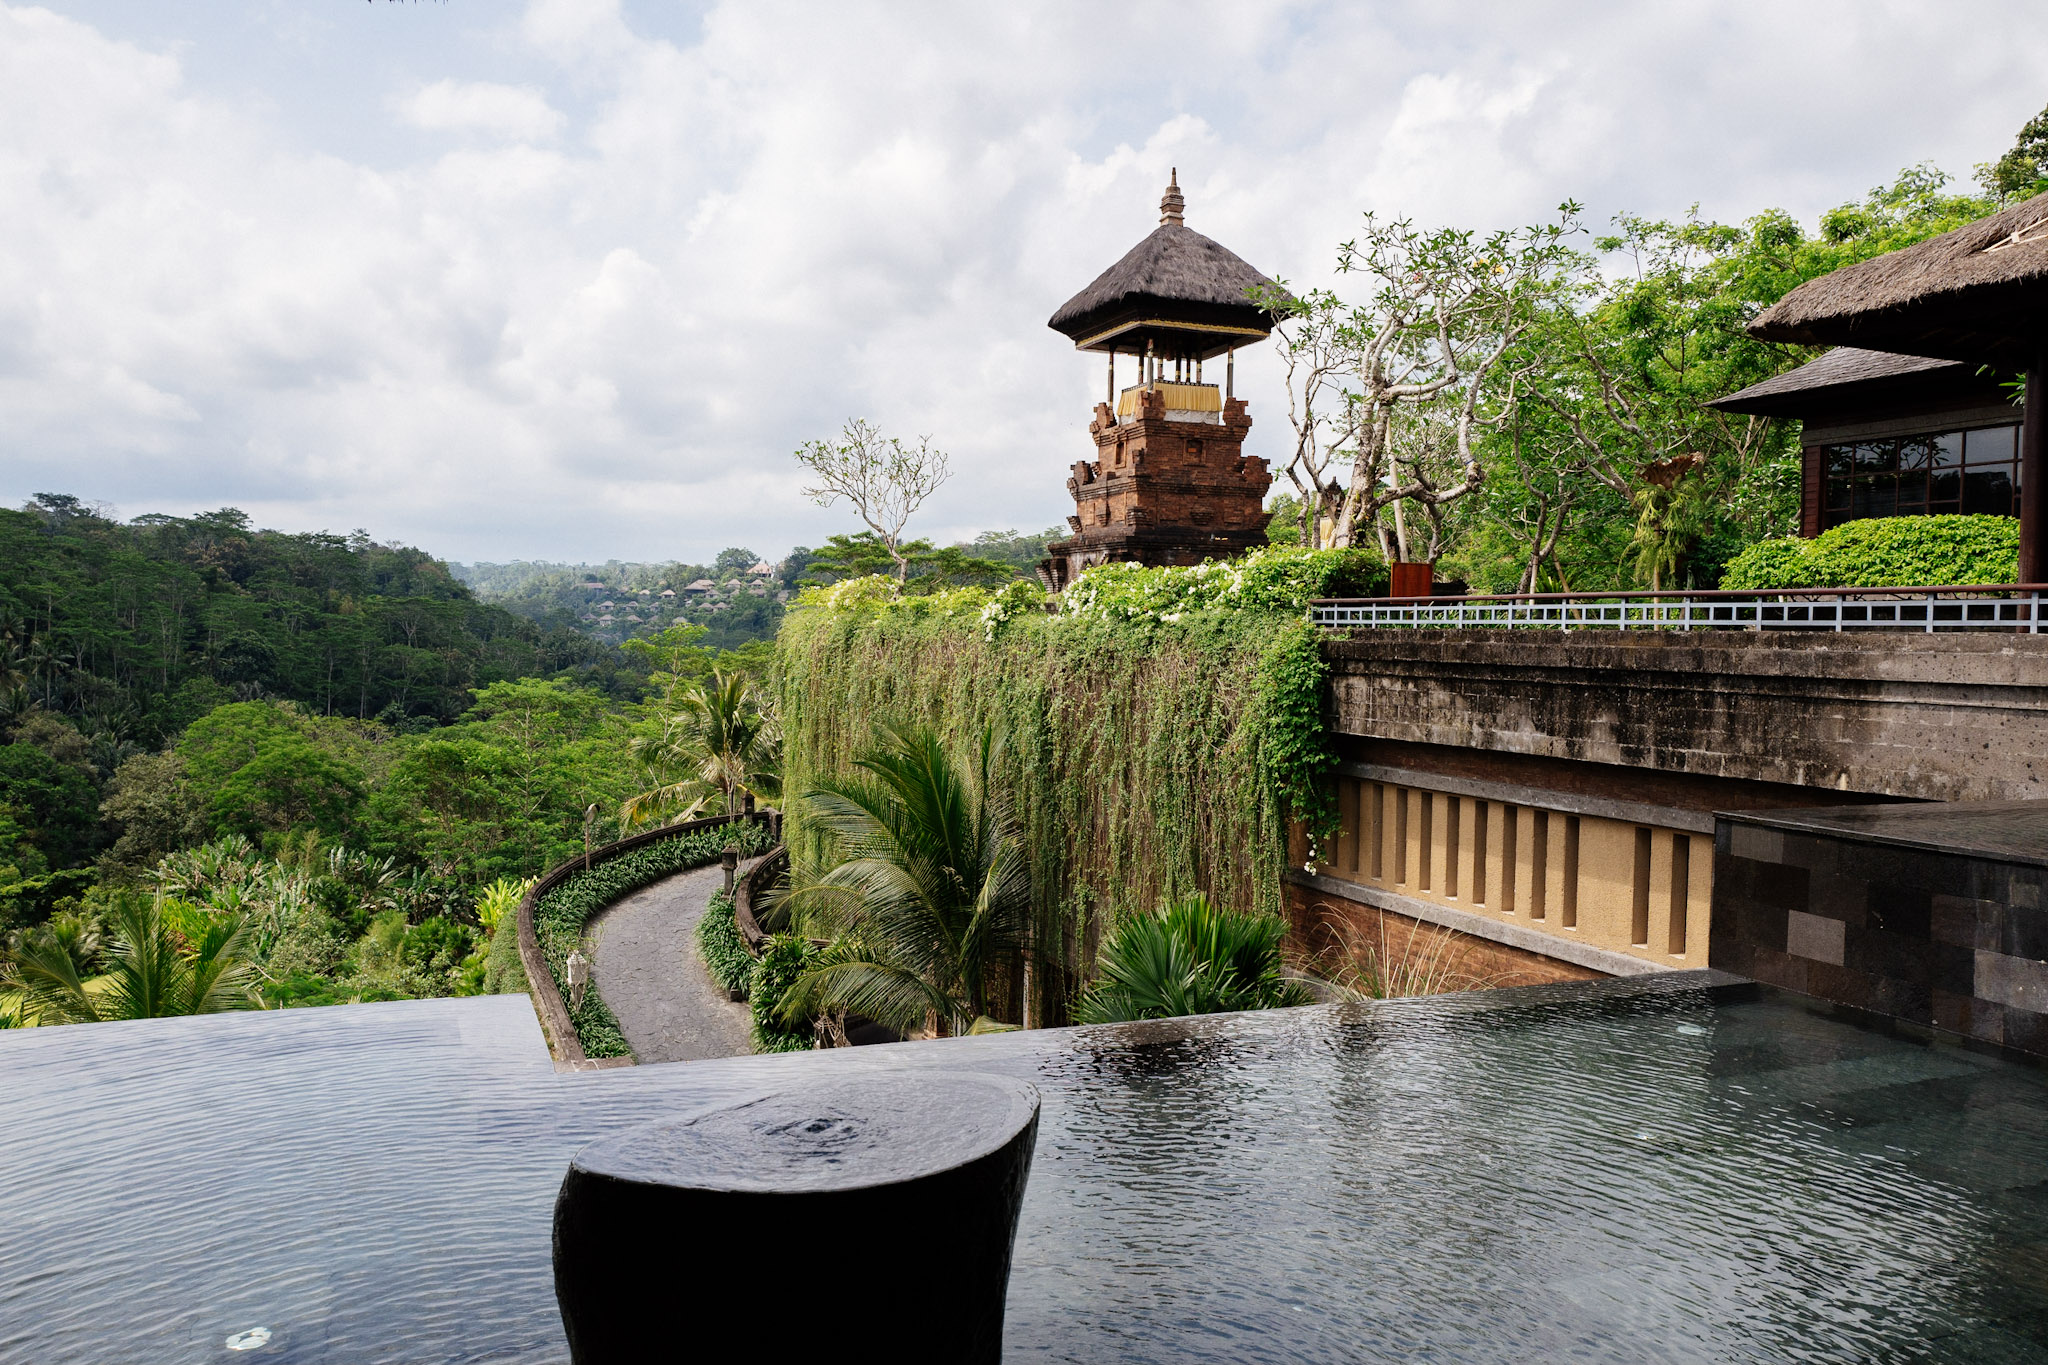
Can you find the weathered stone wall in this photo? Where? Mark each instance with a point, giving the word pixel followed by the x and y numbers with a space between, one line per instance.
pixel 1952 717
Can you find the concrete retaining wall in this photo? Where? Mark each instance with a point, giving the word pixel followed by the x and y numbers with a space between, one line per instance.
pixel 1952 717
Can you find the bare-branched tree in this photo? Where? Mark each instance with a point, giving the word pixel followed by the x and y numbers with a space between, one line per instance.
pixel 884 479
pixel 1445 306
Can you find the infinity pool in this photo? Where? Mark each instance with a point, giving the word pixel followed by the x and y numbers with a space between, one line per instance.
pixel 1664 1169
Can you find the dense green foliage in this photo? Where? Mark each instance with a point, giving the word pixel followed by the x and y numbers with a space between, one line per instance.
pixel 926 900
pixel 1593 461
pixel 1190 957
pixel 721 946
pixel 2023 171
pixel 136 630
pixel 784 960
pixel 211 764
pixel 1151 737
pixel 1900 552
pixel 158 964
pixel 560 915
pixel 615 602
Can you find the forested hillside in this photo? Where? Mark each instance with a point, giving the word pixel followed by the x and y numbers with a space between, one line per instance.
pixel 135 630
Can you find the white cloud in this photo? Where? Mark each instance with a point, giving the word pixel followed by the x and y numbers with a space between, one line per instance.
pixel 506 111
pixel 625 275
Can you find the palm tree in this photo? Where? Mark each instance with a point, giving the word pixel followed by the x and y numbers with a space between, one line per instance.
pixel 1190 957
pixel 931 899
pixel 152 971
pixel 722 741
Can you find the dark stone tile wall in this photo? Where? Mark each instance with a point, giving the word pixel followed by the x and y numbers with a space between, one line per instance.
pixel 1954 941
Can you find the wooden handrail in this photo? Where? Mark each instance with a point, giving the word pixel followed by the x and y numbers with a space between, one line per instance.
pixel 749 889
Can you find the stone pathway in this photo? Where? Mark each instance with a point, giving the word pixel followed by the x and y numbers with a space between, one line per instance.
pixel 644 962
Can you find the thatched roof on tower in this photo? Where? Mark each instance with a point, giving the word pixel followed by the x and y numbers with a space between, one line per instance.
pixel 1174 276
pixel 1977 294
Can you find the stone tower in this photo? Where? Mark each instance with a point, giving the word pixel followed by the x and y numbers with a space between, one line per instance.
pixel 1170 482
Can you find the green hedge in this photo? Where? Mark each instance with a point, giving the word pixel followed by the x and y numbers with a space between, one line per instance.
pixel 1881 552
pixel 782 961
pixel 720 945
pixel 559 916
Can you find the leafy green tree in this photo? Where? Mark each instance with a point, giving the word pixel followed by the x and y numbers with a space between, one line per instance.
pixel 720 744
pixel 1191 957
pixel 925 568
pixel 152 970
pixel 884 480
pixel 54 805
pixel 2022 172
pixel 1614 381
pixel 265 772
pixel 930 899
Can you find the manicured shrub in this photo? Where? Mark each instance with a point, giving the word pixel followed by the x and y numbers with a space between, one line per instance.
pixel 1879 552
pixel 782 961
pixel 720 945
pixel 559 916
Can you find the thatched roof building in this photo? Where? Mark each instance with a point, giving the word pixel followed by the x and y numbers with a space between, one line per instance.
pixel 1845 376
pixel 1184 293
pixel 1978 294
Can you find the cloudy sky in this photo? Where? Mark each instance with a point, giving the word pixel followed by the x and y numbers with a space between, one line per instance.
pixel 570 279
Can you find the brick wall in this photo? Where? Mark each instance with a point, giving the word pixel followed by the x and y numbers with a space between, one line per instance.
pixel 1326 924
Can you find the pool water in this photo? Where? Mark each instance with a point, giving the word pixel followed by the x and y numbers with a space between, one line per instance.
pixel 1659 1169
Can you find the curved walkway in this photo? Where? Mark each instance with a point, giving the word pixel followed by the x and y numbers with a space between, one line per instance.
pixel 643 960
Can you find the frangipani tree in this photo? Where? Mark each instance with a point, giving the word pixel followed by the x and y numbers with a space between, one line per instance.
pixel 1390 392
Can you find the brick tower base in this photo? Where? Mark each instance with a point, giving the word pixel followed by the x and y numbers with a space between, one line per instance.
pixel 1161 491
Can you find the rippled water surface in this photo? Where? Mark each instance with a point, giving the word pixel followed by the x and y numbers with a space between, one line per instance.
pixel 1629 1171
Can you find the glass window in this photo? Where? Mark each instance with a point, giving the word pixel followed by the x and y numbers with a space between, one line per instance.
pixel 1918 452
pixel 1875 498
pixel 1988 490
pixel 1991 445
pixel 1946 472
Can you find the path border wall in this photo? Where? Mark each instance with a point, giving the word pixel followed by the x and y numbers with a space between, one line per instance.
pixel 540 982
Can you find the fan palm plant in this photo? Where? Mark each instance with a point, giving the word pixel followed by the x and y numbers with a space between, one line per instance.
pixel 931 898
pixel 1190 957
pixel 152 971
pixel 723 744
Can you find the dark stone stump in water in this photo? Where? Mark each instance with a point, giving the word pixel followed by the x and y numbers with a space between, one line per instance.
pixel 864 1219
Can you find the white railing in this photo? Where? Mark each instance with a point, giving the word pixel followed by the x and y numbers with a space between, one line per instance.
pixel 1981 607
